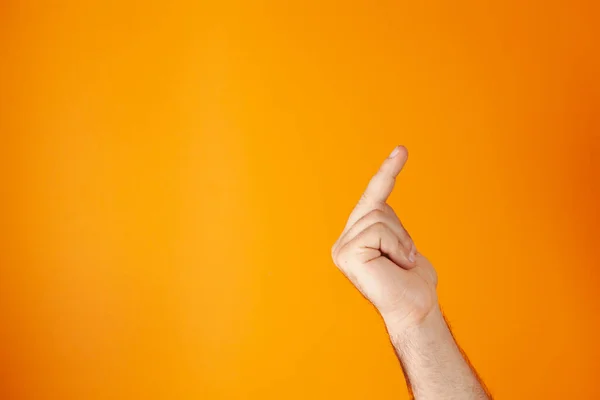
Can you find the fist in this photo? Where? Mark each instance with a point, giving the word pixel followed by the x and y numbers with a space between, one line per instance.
pixel 379 257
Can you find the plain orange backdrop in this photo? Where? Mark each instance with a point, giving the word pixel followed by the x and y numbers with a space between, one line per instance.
pixel 174 175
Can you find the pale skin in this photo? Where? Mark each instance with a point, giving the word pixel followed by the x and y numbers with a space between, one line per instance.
pixel 379 257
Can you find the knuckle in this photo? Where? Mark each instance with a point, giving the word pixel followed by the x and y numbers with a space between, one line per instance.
pixel 387 208
pixel 364 199
pixel 376 214
pixel 379 226
pixel 334 250
pixel 339 256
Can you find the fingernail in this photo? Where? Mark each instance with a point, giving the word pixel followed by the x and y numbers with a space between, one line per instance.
pixel 394 152
pixel 411 257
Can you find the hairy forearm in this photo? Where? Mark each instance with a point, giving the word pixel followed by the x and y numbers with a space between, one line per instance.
pixel 434 366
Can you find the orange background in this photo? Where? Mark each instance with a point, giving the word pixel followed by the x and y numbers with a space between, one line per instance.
pixel 173 177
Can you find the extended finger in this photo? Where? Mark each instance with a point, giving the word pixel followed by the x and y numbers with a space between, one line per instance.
pixel 380 186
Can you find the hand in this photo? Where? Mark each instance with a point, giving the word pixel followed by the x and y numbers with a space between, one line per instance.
pixel 379 257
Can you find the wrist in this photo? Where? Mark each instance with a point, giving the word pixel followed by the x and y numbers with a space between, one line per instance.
pixel 432 326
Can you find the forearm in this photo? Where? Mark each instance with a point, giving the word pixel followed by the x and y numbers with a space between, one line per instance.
pixel 433 364
pixel 380 258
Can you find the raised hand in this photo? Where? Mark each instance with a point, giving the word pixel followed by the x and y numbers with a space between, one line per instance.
pixel 380 258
